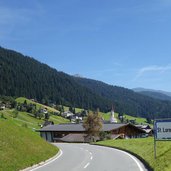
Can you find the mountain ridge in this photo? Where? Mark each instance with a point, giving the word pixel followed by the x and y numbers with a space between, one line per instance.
pixel 24 76
pixel 156 94
pixel 140 89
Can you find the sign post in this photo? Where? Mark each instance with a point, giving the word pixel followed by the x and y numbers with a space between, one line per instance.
pixel 162 131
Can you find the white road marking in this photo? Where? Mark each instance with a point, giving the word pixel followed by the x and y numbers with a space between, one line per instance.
pixel 48 162
pixel 91 158
pixel 86 165
pixel 132 157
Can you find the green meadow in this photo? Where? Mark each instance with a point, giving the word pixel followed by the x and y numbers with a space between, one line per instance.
pixel 38 105
pixel 138 120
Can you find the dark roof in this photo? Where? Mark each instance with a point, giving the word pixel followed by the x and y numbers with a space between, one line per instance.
pixel 74 138
pixel 143 126
pixel 80 128
pixel 64 127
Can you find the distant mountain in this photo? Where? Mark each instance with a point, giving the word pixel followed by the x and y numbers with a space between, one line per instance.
pixel 78 75
pixel 157 94
pixel 24 76
pixel 128 101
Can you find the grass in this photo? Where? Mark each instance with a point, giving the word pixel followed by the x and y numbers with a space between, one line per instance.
pixel 144 148
pixel 25 118
pixel 20 147
pixel 139 120
pixel 106 116
pixel 38 105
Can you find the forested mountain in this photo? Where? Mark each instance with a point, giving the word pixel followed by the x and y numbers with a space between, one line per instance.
pixel 128 101
pixel 24 76
pixel 156 95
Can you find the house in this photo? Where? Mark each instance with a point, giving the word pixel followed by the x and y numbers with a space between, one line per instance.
pixel 46 123
pixel 67 114
pixel 146 128
pixel 44 110
pixel 67 132
pixel 2 106
pixel 75 119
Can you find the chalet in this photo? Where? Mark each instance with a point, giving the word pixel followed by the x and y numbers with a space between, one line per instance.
pixel 2 106
pixel 67 132
pixel 44 110
pixel 146 128
pixel 46 123
pixel 67 114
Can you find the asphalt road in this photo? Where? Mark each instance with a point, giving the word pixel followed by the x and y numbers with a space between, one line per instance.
pixel 85 157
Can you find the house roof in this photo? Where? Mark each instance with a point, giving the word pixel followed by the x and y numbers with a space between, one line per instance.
pixel 73 138
pixel 79 127
pixel 63 127
pixel 143 126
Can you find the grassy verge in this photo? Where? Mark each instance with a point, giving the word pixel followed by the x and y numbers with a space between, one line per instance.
pixel 144 149
pixel 20 147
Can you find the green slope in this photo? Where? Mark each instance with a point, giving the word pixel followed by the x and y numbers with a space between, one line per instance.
pixel 139 120
pixel 25 119
pixel 38 105
pixel 20 147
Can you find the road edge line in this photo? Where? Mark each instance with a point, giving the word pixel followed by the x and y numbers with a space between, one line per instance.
pixel 135 156
pixel 132 157
pixel 44 163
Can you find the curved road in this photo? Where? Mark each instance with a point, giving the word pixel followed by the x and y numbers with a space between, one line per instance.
pixel 85 157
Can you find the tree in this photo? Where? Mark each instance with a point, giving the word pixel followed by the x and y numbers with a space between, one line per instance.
pixel 93 124
pixel 46 116
pixel 148 120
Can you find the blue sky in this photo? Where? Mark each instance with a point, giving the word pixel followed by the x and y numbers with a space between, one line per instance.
pixel 120 42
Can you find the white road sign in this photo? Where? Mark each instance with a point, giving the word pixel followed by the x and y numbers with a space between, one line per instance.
pixel 163 129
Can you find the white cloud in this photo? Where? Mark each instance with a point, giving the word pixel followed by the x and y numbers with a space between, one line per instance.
pixel 152 69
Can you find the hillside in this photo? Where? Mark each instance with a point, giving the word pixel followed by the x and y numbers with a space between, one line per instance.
pixel 152 90
pixel 20 147
pixel 22 76
pixel 26 119
pixel 127 101
pixel 26 77
pixel 138 120
pixel 156 94
pixel 38 105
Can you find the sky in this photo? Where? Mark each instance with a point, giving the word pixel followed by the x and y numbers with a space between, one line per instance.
pixel 120 42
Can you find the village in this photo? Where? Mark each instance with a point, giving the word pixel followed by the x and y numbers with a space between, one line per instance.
pixel 75 131
pixel 67 129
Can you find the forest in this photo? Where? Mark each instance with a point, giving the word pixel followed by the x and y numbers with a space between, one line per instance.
pixel 24 76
